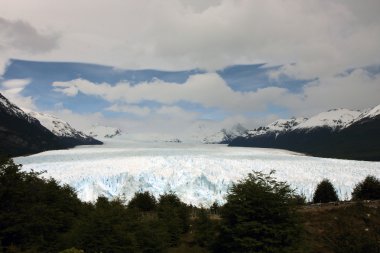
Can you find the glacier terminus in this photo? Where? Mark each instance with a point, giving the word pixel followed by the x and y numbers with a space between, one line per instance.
pixel 199 174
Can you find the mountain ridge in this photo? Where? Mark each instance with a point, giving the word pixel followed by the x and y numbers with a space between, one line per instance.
pixel 338 133
pixel 23 134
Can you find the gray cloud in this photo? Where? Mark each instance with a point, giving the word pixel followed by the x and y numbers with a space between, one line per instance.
pixel 322 37
pixel 22 36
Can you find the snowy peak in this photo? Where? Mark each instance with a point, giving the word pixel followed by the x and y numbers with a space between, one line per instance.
pixel 373 112
pixel 225 135
pixel 57 126
pixel 335 119
pixel 368 114
pixel 281 125
pixel 98 131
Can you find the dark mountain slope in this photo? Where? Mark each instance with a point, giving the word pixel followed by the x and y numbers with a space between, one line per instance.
pixel 359 140
pixel 21 134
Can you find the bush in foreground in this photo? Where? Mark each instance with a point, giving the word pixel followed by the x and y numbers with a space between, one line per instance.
pixel 368 189
pixel 259 216
pixel 325 192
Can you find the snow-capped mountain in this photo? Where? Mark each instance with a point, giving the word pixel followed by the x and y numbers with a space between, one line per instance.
pixel 340 133
pixel 281 125
pixel 57 126
pixel 335 119
pixel 64 130
pixel 224 136
pixel 22 133
pixel 367 115
pixel 98 131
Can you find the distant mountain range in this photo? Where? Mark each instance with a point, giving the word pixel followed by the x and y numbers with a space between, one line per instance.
pixel 22 133
pixel 338 133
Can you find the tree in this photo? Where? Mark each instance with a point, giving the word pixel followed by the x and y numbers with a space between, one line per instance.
pixel 368 189
pixel 325 192
pixel 204 229
pixel 34 212
pixel 175 214
pixel 143 201
pixel 259 216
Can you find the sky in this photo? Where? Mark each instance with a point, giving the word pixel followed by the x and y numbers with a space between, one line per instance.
pixel 174 66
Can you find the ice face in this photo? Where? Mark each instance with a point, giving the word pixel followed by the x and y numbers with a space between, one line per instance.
pixel 199 173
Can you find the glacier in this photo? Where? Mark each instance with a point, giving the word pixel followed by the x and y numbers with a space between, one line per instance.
pixel 199 174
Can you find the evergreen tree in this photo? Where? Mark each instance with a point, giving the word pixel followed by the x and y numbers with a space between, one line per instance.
pixel 259 216
pixel 34 212
pixel 325 192
pixel 143 201
pixel 175 214
pixel 368 189
pixel 204 229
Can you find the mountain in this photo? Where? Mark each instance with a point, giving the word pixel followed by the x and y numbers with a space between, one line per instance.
pixel 338 133
pixel 98 131
pixel 63 130
pixel 278 126
pixel 22 134
pixel 224 136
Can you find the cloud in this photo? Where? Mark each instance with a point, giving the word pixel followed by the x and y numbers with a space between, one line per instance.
pixel 132 109
pixel 208 90
pixel 358 89
pixel 322 37
pixel 12 89
pixel 22 36
pixel 19 39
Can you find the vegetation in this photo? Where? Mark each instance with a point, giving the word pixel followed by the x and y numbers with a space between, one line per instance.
pixel 341 228
pixel 39 215
pixel 143 201
pixel 259 216
pixel 325 192
pixel 367 189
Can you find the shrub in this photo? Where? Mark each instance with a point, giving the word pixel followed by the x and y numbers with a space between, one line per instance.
pixel 259 216
pixel 325 192
pixel 368 189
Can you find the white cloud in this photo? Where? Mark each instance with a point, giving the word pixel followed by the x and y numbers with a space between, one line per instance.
pixel 209 90
pixel 133 109
pixel 356 90
pixel 12 89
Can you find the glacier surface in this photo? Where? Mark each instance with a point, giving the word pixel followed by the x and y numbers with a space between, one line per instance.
pixel 198 173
